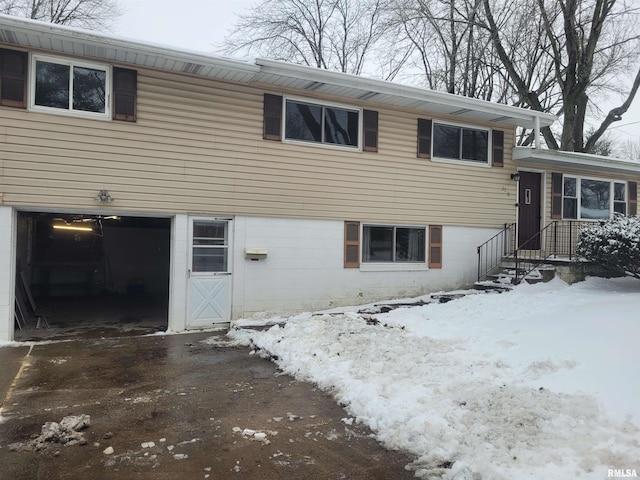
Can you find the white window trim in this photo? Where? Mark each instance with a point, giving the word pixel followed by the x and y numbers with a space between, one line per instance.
pixel 472 163
pixel 71 63
pixel 321 103
pixel 611 181
pixel 394 266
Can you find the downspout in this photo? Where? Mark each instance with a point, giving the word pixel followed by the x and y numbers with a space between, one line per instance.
pixel 536 120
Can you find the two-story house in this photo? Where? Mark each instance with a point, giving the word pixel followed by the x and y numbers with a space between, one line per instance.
pixel 223 188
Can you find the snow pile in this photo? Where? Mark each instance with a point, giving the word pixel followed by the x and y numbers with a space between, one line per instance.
pixel 541 382
pixel 67 432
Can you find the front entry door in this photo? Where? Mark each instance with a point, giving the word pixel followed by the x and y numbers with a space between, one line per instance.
pixel 209 272
pixel 529 210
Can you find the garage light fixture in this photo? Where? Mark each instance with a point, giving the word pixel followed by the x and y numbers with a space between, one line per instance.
pixel 75 228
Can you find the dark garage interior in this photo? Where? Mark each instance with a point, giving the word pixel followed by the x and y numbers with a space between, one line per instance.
pixel 80 275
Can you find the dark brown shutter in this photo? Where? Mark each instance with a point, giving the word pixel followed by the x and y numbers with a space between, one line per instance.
pixel 556 195
pixel 498 148
pixel 272 125
pixel 435 246
pixel 633 198
pixel 424 138
pixel 125 94
pixel 351 244
pixel 13 78
pixel 370 124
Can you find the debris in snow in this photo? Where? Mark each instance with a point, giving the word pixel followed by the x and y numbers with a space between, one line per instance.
pixel 193 440
pixel 180 456
pixel 292 417
pixel 256 435
pixel 347 421
pixel 237 467
pixel 108 451
pixel 67 432
pixel 170 447
pixel 148 444
pixel 162 440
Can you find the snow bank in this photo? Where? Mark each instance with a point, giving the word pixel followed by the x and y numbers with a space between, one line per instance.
pixel 541 382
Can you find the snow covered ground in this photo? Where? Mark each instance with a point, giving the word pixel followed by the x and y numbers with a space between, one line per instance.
pixel 540 382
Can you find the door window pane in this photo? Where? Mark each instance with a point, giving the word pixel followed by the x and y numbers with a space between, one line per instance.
pixel 209 259
pixel 594 198
pixel 52 85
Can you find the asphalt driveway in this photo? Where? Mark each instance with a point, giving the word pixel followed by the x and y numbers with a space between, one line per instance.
pixel 174 407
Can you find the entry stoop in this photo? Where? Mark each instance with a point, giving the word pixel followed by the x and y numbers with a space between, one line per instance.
pixel 530 272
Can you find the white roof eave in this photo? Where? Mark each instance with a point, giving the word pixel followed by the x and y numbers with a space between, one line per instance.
pixel 555 158
pixel 73 41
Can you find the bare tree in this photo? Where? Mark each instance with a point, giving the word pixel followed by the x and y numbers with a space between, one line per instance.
pixel 449 50
pixel 90 14
pixel 583 49
pixel 338 35
pixel 630 150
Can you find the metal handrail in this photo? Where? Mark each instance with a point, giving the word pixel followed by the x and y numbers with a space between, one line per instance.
pixel 491 252
pixel 556 239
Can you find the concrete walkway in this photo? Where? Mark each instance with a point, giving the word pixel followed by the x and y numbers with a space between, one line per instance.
pixel 211 412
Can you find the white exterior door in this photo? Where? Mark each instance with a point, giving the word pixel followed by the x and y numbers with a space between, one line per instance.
pixel 209 282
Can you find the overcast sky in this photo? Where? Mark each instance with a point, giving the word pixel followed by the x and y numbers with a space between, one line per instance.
pixel 201 24
pixel 189 24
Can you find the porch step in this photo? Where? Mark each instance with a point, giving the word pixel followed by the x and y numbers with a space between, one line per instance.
pixel 507 275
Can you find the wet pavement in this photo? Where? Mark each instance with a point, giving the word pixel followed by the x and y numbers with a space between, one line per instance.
pixel 176 407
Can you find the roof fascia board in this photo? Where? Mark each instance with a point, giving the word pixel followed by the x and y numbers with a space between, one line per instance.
pixel 303 72
pixel 62 32
pixel 560 158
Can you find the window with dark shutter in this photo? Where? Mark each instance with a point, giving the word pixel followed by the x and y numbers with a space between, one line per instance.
pixel 272 123
pixel 435 246
pixel 351 244
pixel 424 138
pixel 125 88
pixel 370 122
pixel 633 198
pixel 13 78
pixel 498 148
pixel 556 195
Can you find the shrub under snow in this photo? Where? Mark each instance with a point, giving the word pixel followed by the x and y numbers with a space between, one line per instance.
pixel 613 243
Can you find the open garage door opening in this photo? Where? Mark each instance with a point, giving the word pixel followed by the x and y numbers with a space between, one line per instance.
pixel 80 275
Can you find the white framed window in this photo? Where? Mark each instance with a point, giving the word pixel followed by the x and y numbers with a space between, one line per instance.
pixel 395 244
pixel 69 87
pixel 592 198
pixel 461 143
pixel 210 246
pixel 322 123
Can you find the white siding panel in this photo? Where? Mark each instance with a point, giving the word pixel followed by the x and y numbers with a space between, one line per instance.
pixel 304 270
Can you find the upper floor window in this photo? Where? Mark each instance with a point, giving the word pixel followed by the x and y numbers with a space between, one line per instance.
pixel 311 122
pixel 454 142
pixel 589 199
pixel 62 85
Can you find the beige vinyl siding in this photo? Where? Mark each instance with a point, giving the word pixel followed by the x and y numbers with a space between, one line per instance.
pixel 197 147
pixel 580 173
